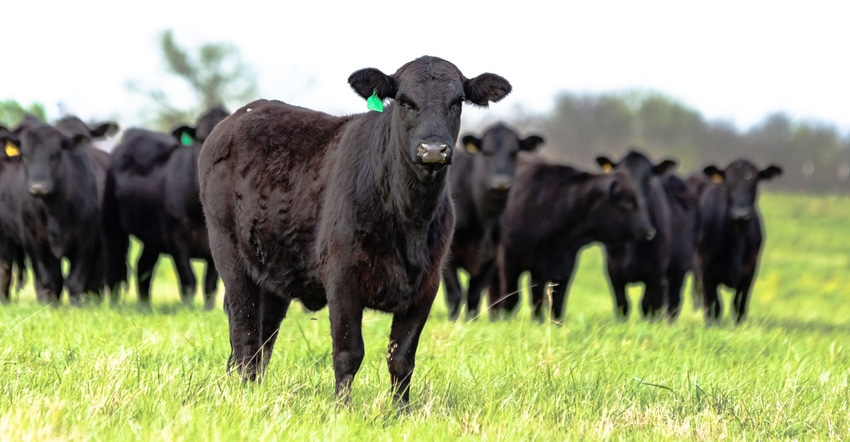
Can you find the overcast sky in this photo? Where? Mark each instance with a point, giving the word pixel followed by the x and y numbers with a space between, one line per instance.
pixel 730 60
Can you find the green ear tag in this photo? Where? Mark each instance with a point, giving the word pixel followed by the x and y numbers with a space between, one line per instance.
pixel 374 103
pixel 186 139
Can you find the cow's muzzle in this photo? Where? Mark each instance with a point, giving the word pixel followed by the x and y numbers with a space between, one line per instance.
pixel 436 153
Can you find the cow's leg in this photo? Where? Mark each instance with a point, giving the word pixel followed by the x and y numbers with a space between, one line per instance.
pixel 144 274
pixel 252 327
pixel 273 308
pixel 742 298
pixel 188 282
pixel 210 285
pixel 48 278
pixel 539 289
pixel 75 282
pixel 621 301
pixel 560 287
pixel 653 296
pixel 401 354
pixel 713 308
pixel 346 316
pixel 476 286
pixel 5 280
pixel 509 296
pixel 675 280
pixel 454 292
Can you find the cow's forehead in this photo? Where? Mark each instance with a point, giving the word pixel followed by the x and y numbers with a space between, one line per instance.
pixel 742 169
pixel 42 135
pixel 430 72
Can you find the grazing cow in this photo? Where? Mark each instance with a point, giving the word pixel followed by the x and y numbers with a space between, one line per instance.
pixel 11 189
pixel 350 212
pixel 552 212
pixel 641 260
pixel 60 214
pixel 479 181
pixel 152 193
pixel 683 220
pixel 729 235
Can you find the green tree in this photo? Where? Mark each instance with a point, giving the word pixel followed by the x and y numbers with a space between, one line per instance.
pixel 11 112
pixel 214 72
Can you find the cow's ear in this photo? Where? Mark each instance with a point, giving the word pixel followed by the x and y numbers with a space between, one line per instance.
pixel 12 147
pixel 471 144
pixel 614 186
pixel 185 135
pixel 664 166
pixel 370 80
pixel 104 129
pixel 606 164
pixel 486 88
pixel 530 143
pixel 76 142
pixel 716 175
pixel 770 172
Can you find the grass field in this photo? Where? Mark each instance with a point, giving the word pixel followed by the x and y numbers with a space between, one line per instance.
pixel 101 373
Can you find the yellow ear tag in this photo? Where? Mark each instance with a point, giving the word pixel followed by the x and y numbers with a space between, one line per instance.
pixel 717 178
pixel 471 148
pixel 12 150
pixel 607 167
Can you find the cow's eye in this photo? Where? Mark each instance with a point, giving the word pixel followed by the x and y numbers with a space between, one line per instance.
pixel 406 102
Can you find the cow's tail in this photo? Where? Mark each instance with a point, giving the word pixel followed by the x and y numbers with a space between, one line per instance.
pixel 115 239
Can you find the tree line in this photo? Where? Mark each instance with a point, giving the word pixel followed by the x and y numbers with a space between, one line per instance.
pixel 814 156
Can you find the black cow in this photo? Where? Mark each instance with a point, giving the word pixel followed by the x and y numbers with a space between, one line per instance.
pixel 60 215
pixel 729 235
pixel 350 212
pixel 479 181
pixel 552 212
pixel 683 204
pixel 152 193
pixel 11 191
pixel 641 260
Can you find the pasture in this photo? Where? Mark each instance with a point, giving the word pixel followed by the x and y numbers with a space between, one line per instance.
pixel 101 373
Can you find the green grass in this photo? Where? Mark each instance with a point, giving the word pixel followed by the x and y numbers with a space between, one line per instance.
pixel 101 373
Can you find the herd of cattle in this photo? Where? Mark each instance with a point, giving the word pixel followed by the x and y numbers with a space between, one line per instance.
pixel 360 211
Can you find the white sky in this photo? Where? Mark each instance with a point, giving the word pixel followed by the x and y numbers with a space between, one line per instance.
pixel 730 60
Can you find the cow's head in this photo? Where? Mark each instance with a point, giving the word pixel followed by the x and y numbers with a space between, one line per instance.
pixel 428 94
pixel 42 148
pixel 740 180
pixel 642 171
pixel 497 151
pixel 619 216
pixel 71 125
pixel 204 125
pixel 640 167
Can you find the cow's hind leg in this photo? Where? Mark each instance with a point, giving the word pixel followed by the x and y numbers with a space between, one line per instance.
pixel 254 317
pixel 188 282
pixel 210 285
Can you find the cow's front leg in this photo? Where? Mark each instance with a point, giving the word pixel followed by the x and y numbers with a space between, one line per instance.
pixel 346 316
pixel 401 354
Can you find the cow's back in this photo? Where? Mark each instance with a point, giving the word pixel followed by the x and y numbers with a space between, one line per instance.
pixel 266 167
